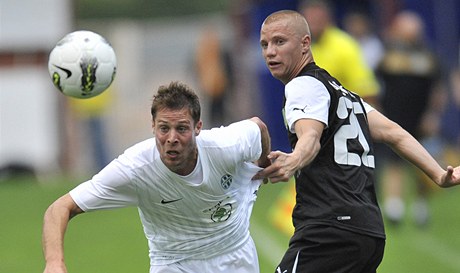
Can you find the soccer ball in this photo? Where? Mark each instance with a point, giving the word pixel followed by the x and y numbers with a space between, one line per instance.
pixel 82 64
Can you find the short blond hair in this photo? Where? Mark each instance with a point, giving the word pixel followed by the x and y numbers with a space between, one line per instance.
pixel 297 20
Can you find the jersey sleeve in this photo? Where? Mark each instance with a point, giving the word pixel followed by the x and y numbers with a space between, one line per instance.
pixel 244 137
pixel 306 98
pixel 111 188
pixel 249 139
pixel 367 107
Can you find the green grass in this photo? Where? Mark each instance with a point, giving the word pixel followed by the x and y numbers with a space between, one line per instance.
pixel 113 241
pixel 103 241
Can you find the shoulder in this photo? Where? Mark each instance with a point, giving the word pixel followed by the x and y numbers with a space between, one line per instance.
pixel 239 141
pixel 303 81
pixel 140 153
pixel 141 147
pixel 304 85
pixel 224 134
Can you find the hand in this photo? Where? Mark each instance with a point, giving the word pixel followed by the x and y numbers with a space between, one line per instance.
pixel 451 177
pixel 282 168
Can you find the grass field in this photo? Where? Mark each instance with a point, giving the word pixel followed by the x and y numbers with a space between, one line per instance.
pixel 113 241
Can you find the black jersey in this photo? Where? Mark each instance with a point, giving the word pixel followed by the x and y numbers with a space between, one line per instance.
pixel 337 187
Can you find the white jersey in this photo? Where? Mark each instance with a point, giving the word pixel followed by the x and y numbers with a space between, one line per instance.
pixel 185 219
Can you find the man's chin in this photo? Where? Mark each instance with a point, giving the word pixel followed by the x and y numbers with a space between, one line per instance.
pixel 278 76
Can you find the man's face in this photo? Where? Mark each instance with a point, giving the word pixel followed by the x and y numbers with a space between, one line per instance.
pixel 175 134
pixel 281 48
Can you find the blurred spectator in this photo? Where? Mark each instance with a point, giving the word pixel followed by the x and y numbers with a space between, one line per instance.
pixel 212 69
pixel 91 131
pixel 244 54
pixel 338 52
pixel 226 66
pixel 450 122
pixel 359 25
pixel 451 116
pixel 411 75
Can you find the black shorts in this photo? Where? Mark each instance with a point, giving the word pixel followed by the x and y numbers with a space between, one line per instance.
pixel 326 249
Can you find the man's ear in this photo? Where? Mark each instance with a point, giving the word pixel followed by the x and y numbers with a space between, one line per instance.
pixel 198 127
pixel 153 126
pixel 306 41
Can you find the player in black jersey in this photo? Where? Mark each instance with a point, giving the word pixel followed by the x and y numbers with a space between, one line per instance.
pixel 338 223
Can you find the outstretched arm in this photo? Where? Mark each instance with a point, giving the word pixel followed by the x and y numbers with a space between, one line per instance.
pixel 56 218
pixel 406 146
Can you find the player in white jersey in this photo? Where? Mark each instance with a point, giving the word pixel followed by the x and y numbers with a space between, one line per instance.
pixel 193 188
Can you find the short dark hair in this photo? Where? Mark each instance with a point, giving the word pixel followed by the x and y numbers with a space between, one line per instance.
pixel 176 96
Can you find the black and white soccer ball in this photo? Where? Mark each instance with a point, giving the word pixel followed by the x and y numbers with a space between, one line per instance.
pixel 82 64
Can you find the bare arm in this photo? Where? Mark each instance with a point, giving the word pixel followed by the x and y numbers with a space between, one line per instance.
pixel 405 145
pixel 266 143
pixel 284 165
pixel 56 218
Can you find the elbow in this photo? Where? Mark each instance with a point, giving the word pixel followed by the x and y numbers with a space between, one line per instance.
pixel 63 207
pixel 263 127
pixel 389 134
pixel 314 152
pixel 316 149
pixel 395 135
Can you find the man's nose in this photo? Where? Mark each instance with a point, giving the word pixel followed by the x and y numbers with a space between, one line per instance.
pixel 172 137
pixel 270 50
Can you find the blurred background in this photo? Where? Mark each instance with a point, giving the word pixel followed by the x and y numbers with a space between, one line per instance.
pixel 213 45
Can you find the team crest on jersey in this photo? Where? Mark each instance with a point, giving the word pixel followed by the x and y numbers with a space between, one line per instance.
pixel 220 212
pixel 226 181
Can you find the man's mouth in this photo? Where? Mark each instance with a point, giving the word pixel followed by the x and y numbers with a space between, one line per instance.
pixel 273 64
pixel 172 154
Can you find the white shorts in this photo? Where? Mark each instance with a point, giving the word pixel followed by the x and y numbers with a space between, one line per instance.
pixel 243 260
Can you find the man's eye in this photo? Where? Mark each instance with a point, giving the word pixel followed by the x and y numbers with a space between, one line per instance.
pixel 182 129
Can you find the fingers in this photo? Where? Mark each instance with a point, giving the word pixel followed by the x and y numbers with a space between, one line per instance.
pixel 265 173
pixel 277 171
pixel 271 175
pixel 451 177
pixel 454 174
pixel 269 170
pixel 274 155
